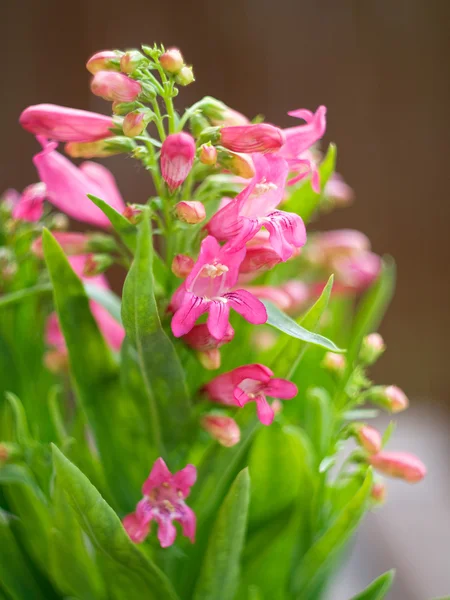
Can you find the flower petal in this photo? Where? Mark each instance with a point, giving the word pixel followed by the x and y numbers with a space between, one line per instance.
pixel 166 531
pixel 249 307
pixel 286 230
pixel 219 313
pixel 281 388
pixel 188 523
pixel 105 180
pixel 185 479
pixel 158 475
pixel 264 410
pixel 136 530
pixel 185 317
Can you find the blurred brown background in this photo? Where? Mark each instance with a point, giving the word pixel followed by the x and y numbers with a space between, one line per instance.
pixel 380 66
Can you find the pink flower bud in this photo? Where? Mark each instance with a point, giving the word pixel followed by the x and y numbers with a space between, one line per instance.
pixel 115 86
pixel 132 213
pixel 260 137
pixel 335 363
pixel 199 338
pixel 96 264
pixel 134 123
pixel 224 429
pixel 239 164
pixel 208 155
pixel 106 60
pixel 369 438
pixel 191 212
pixel 172 60
pixel 390 397
pixel 182 265
pixel 378 492
pixel 399 464
pixel 177 157
pixel 372 348
pixel 210 359
pixel 185 76
pixel 358 272
pixel 130 61
pixel 338 193
pixel 56 360
pixel 31 204
pixel 325 248
pixel 71 242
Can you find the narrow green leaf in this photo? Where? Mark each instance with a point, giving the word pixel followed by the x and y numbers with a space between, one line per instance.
pixel 378 589
pixel 127 571
pixel 13 297
pixel 220 571
pixel 388 433
pixel 126 230
pixel 20 419
pixel 162 373
pixel 325 548
pixel 281 321
pixel 360 414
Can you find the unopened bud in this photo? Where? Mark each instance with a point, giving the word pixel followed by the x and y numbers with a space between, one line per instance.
pixel 335 363
pixel 191 212
pixel 133 213
pixel 182 265
pixel 130 61
pixel 8 451
pixel 96 264
pixel 210 359
pixel 115 86
pixel 100 149
pixel 220 114
pixel 378 492
pixel 390 397
pixel 135 122
pixel 106 60
pixel 172 60
pixel 56 360
pixel 208 155
pixel 224 429
pixel 185 76
pixel 399 464
pixel 239 164
pixel 177 157
pixel 371 349
pixel 60 222
pixel 148 93
pixel 368 438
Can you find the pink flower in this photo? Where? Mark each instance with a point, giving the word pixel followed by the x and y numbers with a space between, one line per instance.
pixel 274 294
pixel 399 464
pixel 200 339
pixel 115 86
pixel 190 211
pixel 177 157
pixel 31 204
pixel 164 502
pixel 390 397
pixel 208 289
pixel 67 185
pixel 369 438
pixel 105 60
pixel 255 207
pixel 325 248
pixel 260 137
pixel 64 124
pixel 358 272
pixel 224 429
pixel 70 242
pixel 250 383
pixel 259 258
pixel 338 192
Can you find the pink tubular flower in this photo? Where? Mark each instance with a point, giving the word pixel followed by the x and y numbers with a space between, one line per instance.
pixel 105 60
pixel 260 137
pixel 177 157
pixel 206 345
pixel 369 438
pixel 358 272
pixel 224 429
pixel 325 248
pixel 31 204
pixel 64 124
pixel 208 289
pixel 250 383
pixel 70 242
pixel 116 87
pixel 339 193
pixel 68 185
pixel 190 211
pixel 399 464
pixel 164 502
pixel 259 258
pixel 255 207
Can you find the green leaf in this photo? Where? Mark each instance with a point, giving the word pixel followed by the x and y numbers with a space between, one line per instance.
pixel 220 571
pixel 388 433
pixel 127 571
pixel 13 297
pixel 304 200
pixel 161 370
pixel 378 589
pixel 125 230
pixel 20 420
pixel 319 419
pixel 318 557
pixel 106 298
pixel 281 321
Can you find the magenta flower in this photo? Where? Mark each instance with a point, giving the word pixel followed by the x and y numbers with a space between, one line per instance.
pixel 64 124
pixel 163 502
pixel 177 157
pixel 114 86
pixel 259 137
pixel 255 207
pixel 30 206
pixel 208 289
pixel 250 383
pixel 67 185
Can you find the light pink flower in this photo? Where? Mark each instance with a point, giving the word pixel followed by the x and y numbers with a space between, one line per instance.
pixel 259 137
pixel 259 258
pixel 177 157
pixel 224 429
pixel 369 438
pixel 274 294
pixel 208 289
pixel 164 502
pixel 67 185
pixel 250 383
pixel 113 86
pixel 64 124
pixel 357 272
pixel 399 464
pixel 255 207
pixel 338 192
pixel 325 248
pixel 31 204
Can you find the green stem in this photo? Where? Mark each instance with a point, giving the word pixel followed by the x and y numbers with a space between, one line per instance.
pixel 158 120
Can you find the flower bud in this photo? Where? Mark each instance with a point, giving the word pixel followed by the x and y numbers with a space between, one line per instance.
pixel 130 61
pixel 358 272
pixel 60 222
pixel 71 242
pixel 378 492
pixel 100 149
pixel 133 213
pixel 96 264
pixel 224 429
pixel 177 157
pixel 371 349
pixel 208 155
pixel 239 164
pixel 335 363
pixel 399 464
pixel 260 137
pixel 135 123
pixel 106 60
pixel 220 114
pixel 191 212
pixel 123 108
pixel 31 204
pixel 368 438
pixel 115 86
pixel 182 265
pixel 172 60
pixel 390 397
pixel 185 76
pixel 199 338
pixel 210 359
pixel 56 360
pixel 337 192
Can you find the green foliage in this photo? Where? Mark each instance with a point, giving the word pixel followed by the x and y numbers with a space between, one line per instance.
pixel 378 589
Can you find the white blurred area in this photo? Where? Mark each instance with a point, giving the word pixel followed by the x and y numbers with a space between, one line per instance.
pixel 411 532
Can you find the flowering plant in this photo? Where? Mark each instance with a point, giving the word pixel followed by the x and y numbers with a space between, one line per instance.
pixel 181 441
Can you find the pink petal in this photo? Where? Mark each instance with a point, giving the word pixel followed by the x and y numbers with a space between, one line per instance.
pixel 112 331
pixel 286 230
pixel 281 388
pixel 240 396
pixel 166 532
pixel 185 317
pixel 264 410
pixel 185 479
pixel 158 475
pixel 224 224
pixel 249 307
pixel 219 313
pixel 135 529
pixel 105 181
pixel 188 523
